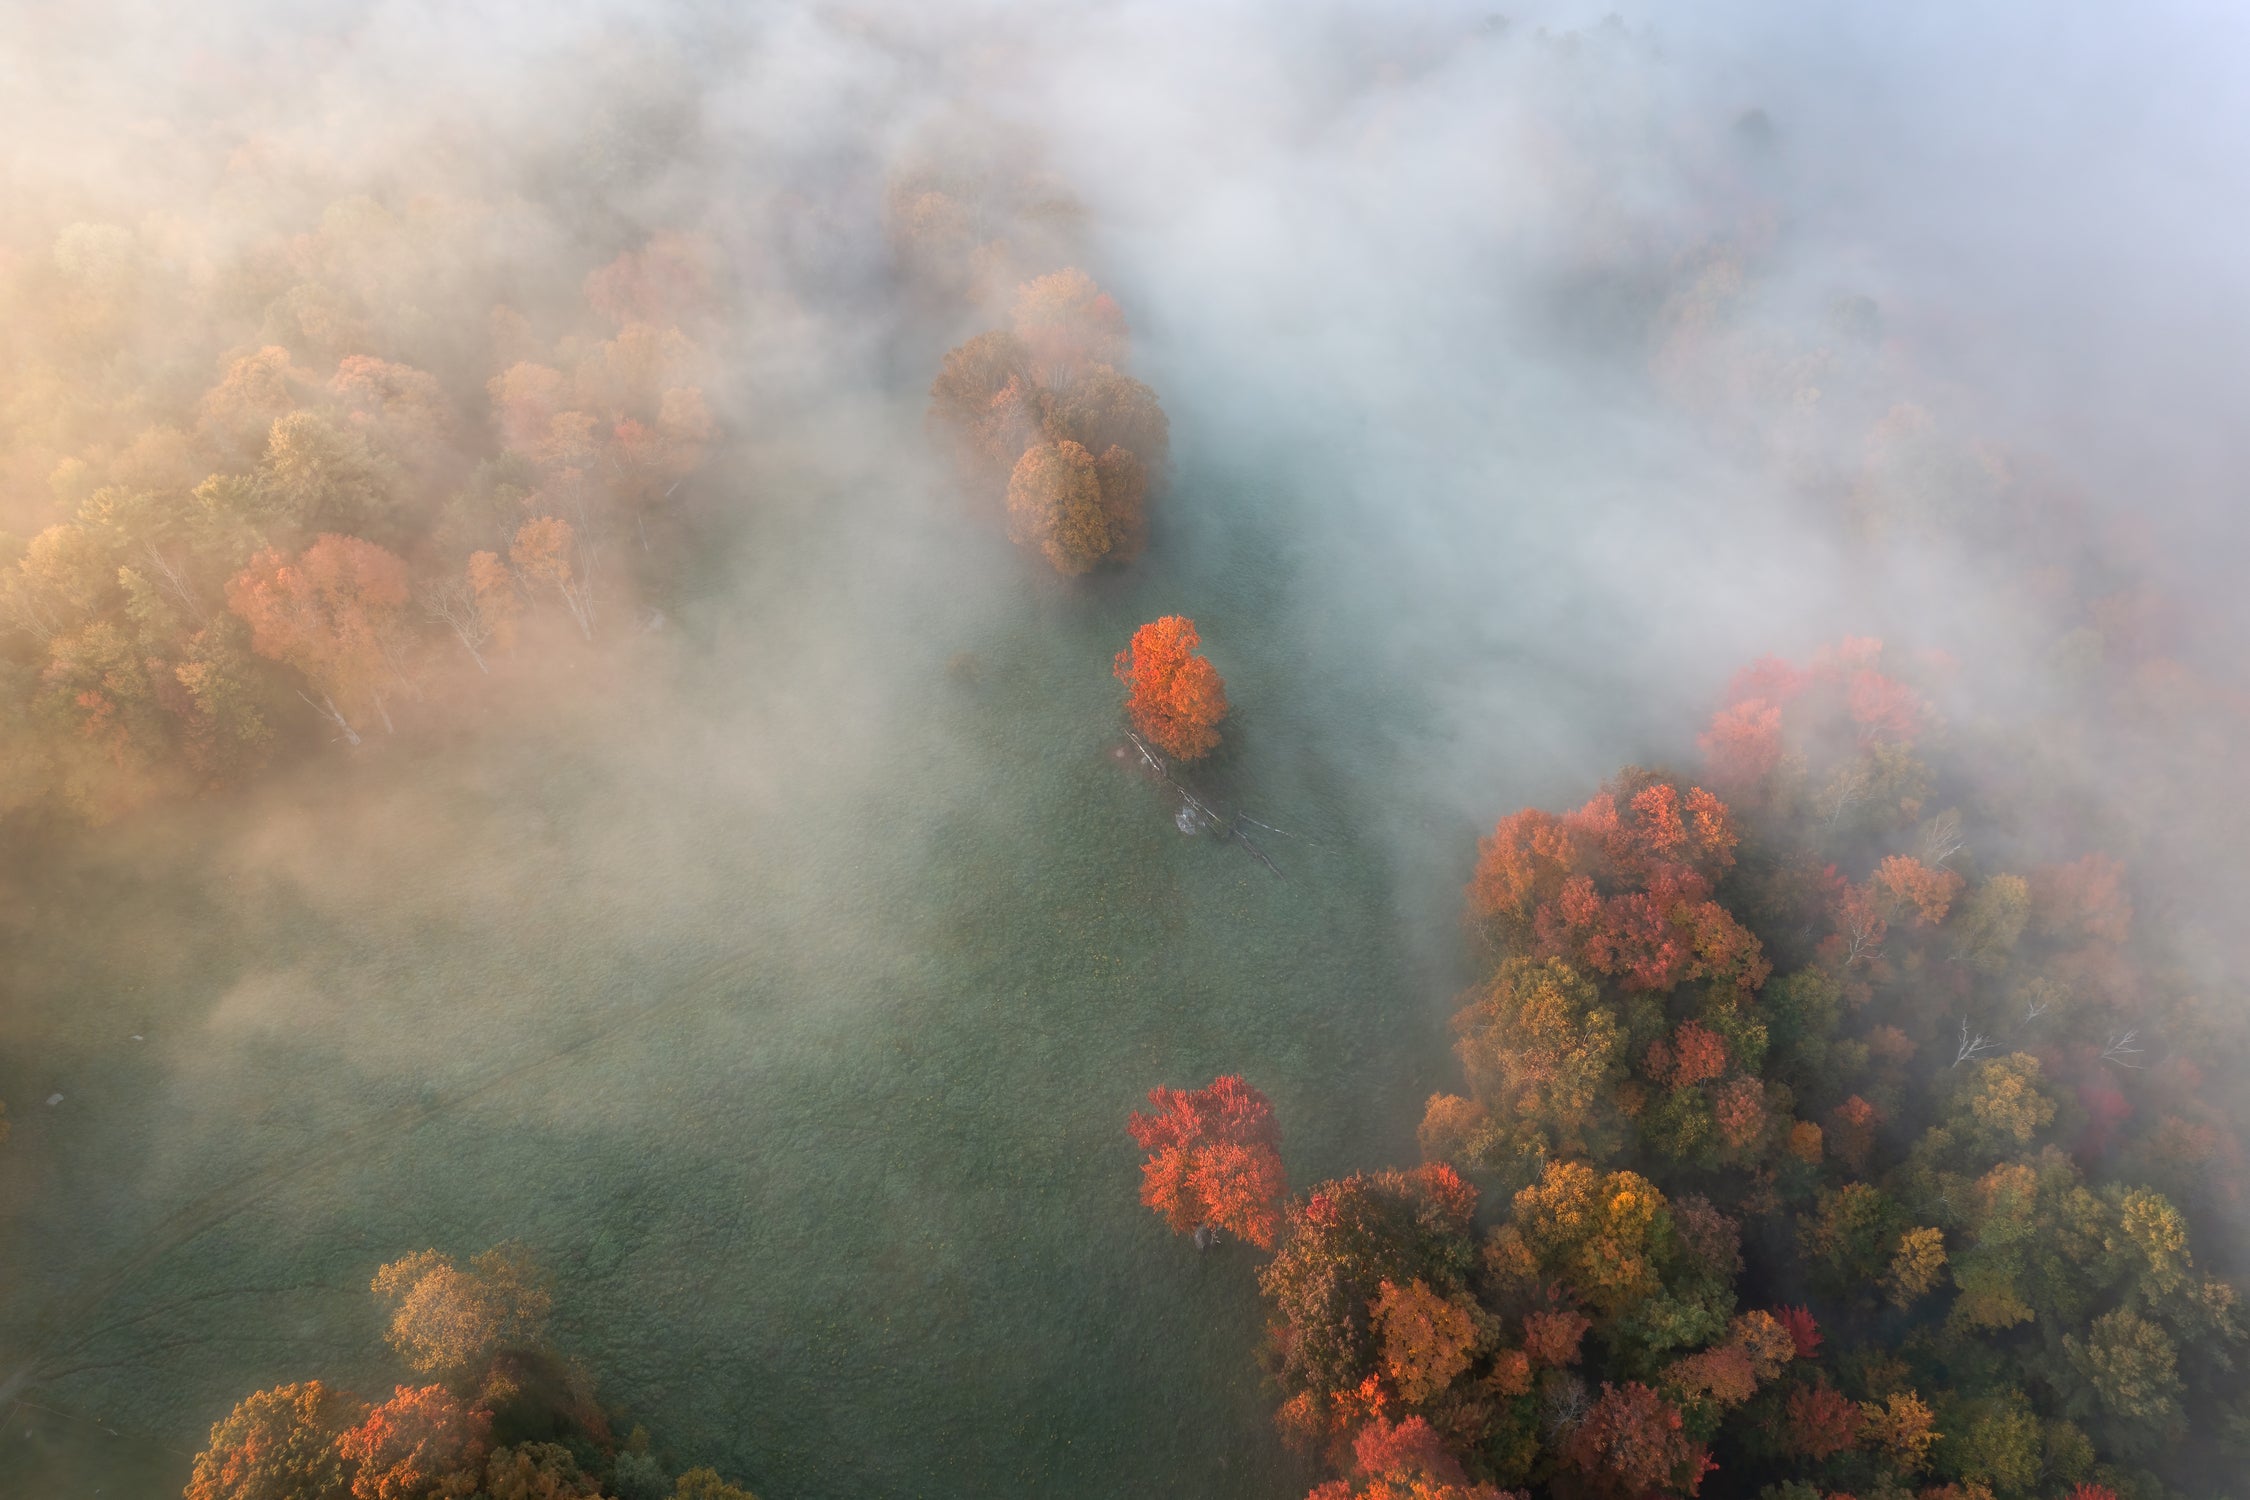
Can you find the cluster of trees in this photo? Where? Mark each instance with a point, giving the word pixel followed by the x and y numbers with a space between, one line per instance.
pixel 214 570
pixel 492 1411
pixel 1802 1141
pixel 1043 414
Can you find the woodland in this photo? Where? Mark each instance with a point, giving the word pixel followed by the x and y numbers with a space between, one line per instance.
pixel 1798 1146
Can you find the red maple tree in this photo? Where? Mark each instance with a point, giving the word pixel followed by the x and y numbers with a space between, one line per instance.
pixel 1622 886
pixel 421 1444
pixel 1177 698
pixel 1631 1444
pixel 1214 1159
pixel 1804 1330
pixel 1822 1421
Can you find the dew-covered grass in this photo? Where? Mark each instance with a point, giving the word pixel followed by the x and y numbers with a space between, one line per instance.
pixel 786 997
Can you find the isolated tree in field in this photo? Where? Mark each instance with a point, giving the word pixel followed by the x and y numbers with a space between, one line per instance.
pixel 448 1322
pixel 1177 698
pixel 422 1444
pixel 1055 505
pixel 336 614
pixel 1214 1159
pixel 279 1445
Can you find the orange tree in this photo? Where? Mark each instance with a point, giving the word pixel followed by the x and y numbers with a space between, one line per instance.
pixel 1214 1158
pixel 1176 697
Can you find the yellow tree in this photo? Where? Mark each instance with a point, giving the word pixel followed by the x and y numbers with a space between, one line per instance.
pixel 279 1445
pixel 1428 1340
pixel 1055 504
pixel 1541 1043
pixel 448 1322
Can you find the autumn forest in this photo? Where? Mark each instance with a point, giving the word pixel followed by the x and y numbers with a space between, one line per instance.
pixel 1359 755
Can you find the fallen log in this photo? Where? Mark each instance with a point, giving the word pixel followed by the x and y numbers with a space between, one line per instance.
pixel 1228 828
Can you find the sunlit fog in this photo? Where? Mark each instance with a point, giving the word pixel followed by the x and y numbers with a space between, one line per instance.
pixel 970 749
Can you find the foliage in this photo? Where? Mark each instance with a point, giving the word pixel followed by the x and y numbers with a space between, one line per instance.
pixel 279 1445
pixel 235 529
pixel 1175 697
pixel 1403 1461
pixel 1055 504
pixel 422 1444
pixel 1344 1241
pixel 705 1484
pixel 1214 1159
pixel 514 1422
pixel 1428 1340
pixel 1631 1444
pixel 1808 1015
pixel 536 1471
pixel 1044 412
pixel 448 1322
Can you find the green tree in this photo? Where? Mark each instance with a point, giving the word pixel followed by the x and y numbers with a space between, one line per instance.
pixel 318 477
pixel 2004 1106
pixel 2130 1369
pixel 1991 922
pixel 1849 1238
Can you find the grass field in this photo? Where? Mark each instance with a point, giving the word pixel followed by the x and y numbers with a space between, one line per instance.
pixel 787 1002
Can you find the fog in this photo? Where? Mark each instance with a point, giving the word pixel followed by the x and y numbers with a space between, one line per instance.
pixel 781 967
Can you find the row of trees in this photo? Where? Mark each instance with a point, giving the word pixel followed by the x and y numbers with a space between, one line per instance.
pixel 304 544
pixel 1043 414
pixel 1800 1141
pixel 494 1412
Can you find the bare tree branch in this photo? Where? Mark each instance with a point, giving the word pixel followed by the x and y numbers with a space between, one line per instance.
pixel 1227 827
pixel 2122 1049
pixel 1972 1047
